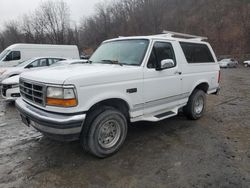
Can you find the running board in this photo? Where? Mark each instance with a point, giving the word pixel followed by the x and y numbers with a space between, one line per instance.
pixel 157 117
pixel 166 114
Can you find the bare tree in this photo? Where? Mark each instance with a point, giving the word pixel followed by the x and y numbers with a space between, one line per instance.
pixel 225 22
pixel 54 18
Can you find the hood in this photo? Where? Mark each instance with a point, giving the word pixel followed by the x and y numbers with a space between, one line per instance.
pixel 65 74
pixel 11 80
pixel 9 70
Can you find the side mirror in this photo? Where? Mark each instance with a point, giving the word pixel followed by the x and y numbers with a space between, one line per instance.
pixel 166 64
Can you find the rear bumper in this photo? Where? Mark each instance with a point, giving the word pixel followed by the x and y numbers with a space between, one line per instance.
pixel 58 126
pixel 217 92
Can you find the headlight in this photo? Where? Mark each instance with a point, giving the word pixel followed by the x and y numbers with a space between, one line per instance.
pixel 62 97
pixel 55 92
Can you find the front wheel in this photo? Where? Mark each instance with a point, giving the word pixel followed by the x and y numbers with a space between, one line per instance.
pixel 106 132
pixel 196 105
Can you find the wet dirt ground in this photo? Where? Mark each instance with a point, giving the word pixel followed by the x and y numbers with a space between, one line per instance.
pixel 211 152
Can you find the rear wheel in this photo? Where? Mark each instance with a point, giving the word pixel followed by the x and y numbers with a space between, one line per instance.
pixel 196 105
pixel 104 132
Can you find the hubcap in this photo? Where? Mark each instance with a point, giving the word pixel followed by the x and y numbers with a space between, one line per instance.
pixel 109 134
pixel 198 105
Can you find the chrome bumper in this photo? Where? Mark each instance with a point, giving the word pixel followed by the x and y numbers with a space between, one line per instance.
pixel 52 124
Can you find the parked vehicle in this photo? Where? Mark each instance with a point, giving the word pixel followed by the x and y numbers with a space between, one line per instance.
pixel 17 53
pixel 228 63
pixel 84 56
pixel 10 86
pixel 69 62
pixel 6 72
pixel 246 63
pixel 129 79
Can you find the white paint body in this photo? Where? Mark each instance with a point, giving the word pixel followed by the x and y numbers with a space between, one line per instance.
pixel 157 91
pixel 6 72
pixel 227 63
pixel 28 51
pixel 14 83
pixel 246 63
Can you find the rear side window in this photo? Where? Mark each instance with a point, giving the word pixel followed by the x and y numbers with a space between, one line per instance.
pixel 197 53
pixel 54 60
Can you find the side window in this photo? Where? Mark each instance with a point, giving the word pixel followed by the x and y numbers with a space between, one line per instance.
pixel 43 63
pixel 160 51
pixel 33 64
pixel 152 60
pixel 51 61
pixel 197 53
pixel 14 55
pixel 38 63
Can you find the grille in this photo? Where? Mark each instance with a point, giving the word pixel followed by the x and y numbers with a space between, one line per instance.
pixel 33 92
pixel 4 89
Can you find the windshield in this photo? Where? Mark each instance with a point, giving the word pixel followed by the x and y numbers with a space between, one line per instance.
pixel 4 53
pixel 127 52
pixel 24 63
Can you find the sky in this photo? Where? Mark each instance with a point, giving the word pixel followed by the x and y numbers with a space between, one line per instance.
pixel 13 9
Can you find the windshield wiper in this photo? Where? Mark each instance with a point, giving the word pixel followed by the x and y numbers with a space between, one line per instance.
pixel 132 64
pixel 114 62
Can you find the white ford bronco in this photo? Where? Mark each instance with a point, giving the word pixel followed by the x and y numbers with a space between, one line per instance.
pixel 127 79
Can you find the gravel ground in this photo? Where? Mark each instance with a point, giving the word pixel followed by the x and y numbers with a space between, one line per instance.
pixel 211 152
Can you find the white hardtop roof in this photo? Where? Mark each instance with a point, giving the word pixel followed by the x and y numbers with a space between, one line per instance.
pixel 26 45
pixel 166 35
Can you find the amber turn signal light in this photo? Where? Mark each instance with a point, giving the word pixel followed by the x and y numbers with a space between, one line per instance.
pixel 61 102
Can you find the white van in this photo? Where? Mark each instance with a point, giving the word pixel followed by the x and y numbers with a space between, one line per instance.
pixel 17 53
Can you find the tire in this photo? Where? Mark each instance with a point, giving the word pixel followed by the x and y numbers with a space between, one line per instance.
pixel 196 105
pixel 104 132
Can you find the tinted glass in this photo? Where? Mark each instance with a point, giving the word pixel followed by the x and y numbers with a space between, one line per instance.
pixel 16 55
pixel 51 61
pixel 161 51
pixel 38 63
pixel 197 53
pixel 43 62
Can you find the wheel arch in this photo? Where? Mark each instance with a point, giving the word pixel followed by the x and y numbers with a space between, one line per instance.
pixel 202 85
pixel 117 103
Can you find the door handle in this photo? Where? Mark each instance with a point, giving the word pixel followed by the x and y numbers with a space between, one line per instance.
pixel 178 72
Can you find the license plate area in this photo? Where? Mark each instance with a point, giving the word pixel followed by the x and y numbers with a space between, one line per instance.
pixel 25 120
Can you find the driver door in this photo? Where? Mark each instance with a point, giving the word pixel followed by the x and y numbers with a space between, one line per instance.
pixel 12 59
pixel 162 88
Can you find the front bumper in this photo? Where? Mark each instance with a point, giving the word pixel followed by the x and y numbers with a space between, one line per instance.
pixel 10 94
pixel 57 126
